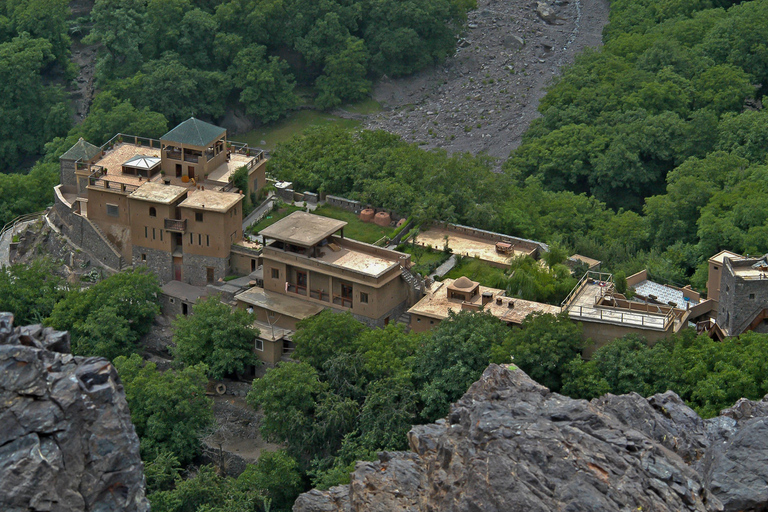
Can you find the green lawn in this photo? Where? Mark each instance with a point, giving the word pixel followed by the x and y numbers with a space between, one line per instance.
pixel 356 229
pixel 294 124
pixel 425 261
pixel 479 271
pixel 273 217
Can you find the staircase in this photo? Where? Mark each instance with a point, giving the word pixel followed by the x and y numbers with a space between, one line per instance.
pixel 412 280
pixel 405 319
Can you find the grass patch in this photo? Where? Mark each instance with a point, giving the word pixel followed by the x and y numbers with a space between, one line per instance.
pixel 273 216
pixel 479 271
pixel 356 229
pixel 425 260
pixel 287 128
pixel 365 107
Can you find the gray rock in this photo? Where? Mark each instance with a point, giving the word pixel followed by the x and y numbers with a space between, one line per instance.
pixel 66 439
pixel 511 444
pixel 545 12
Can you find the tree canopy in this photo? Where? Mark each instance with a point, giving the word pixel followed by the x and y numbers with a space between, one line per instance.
pixel 216 335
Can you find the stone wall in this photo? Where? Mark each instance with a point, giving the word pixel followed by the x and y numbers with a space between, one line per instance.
pixel 741 300
pixel 393 314
pixel 159 262
pixel 67 173
pixel 343 202
pixel 84 234
pixel 194 269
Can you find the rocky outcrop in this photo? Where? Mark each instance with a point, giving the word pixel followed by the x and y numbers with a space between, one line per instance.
pixel 66 438
pixel 511 444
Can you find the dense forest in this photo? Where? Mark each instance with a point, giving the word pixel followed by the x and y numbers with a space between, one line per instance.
pixel 650 152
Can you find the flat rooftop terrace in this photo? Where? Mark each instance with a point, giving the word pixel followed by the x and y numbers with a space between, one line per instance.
pixel 223 172
pixel 436 304
pixel 353 259
pixel 279 303
pixel 466 245
pixel 584 307
pixel 304 229
pixel 114 159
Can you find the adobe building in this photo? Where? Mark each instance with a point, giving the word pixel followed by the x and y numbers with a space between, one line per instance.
pixel 168 204
pixel 463 294
pixel 306 256
pixel 606 314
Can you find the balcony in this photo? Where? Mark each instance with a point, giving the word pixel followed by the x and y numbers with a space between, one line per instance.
pixel 296 288
pixel 176 225
pixel 345 302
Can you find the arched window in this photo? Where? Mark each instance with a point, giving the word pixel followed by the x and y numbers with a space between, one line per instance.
pixel 152 211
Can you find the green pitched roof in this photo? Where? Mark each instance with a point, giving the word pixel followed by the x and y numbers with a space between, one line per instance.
pixel 194 132
pixel 82 150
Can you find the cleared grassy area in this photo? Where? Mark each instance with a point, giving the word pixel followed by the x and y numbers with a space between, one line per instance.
pixel 356 229
pixel 294 124
pixel 425 261
pixel 273 217
pixel 479 271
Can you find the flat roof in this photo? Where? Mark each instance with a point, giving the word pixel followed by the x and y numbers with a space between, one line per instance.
pixel 436 304
pixel 359 261
pixel 301 228
pixel 467 245
pixel 281 304
pixel 222 173
pixel 211 200
pixel 583 307
pixel 114 158
pixel 718 258
pixel 183 291
pixel 585 259
pixel 158 193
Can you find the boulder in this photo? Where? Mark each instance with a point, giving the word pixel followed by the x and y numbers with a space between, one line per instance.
pixel 66 438
pixel 545 12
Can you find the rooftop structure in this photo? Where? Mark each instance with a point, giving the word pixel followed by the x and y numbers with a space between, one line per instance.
pixel 82 150
pixel 606 314
pixel 279 303
pixel 211 200
pixel 194 132
pixel 576 259
pixel 303 256
pixel 742 292
pixel 304 229
pixel 464 294
pixel 657 293
pixel 158 193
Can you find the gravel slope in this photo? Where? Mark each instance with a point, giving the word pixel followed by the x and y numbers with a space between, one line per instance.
pixel 484 97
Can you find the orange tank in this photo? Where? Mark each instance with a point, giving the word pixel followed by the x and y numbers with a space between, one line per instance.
pixel 382 219
pixel 367 215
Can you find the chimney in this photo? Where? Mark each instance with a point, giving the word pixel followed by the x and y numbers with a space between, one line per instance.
pixel 511 304
pixel 487 297
pixel 498 301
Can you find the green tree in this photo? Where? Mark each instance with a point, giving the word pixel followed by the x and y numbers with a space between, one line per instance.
pixel 453 358
pixel 288 396
pixel 108 318
pixel 215 334
pixel 323 336
pixel 542 347
pixel 275 476
pixel 169 409
pixel 30 291
pixel 344 76
pixel 266 84
pixel 34 110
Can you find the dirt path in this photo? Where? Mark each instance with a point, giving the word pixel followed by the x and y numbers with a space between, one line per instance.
pixel 484 97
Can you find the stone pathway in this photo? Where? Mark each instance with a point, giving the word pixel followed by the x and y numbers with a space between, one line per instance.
pixel 445 267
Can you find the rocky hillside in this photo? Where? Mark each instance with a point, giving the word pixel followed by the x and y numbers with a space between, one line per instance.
pixel 483 98
pixel 66 438
pixel 511 444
